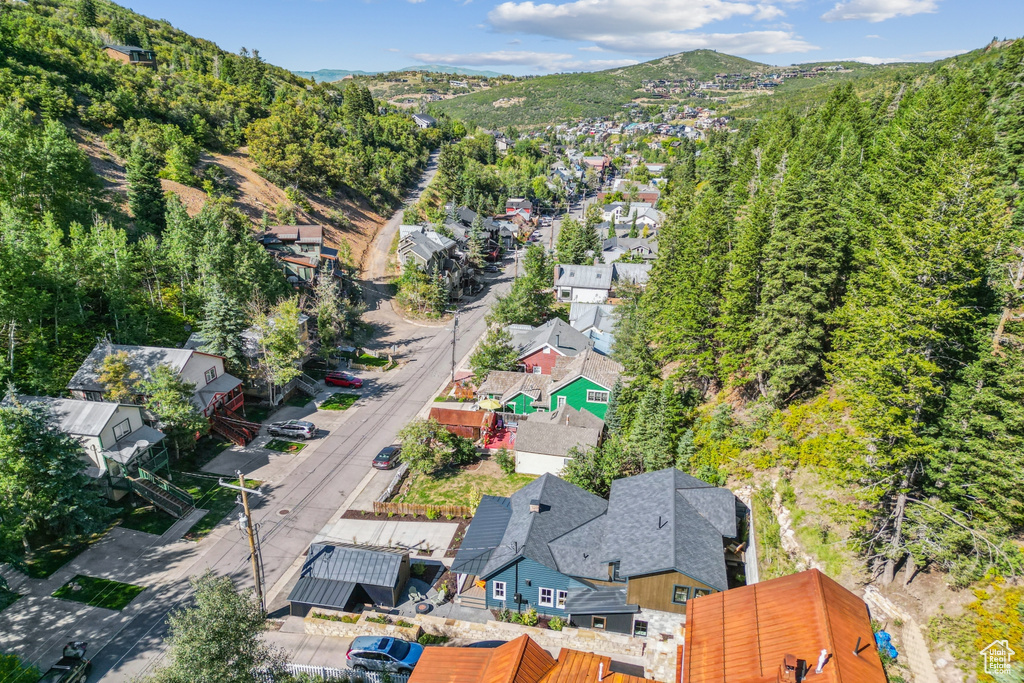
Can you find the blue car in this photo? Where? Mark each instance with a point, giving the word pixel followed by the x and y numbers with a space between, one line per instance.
pixel 372 653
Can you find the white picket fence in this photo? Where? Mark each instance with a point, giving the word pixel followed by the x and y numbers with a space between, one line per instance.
pixel 347 675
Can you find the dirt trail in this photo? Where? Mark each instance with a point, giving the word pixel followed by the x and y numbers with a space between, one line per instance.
pixel 254 194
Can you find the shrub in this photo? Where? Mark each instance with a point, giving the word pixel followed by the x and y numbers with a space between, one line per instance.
pixel 505 614
pixel 556 624
pixel 515 617
pixel 380 619
pixel 530 618
pixel 345 618
pixel 418 569
pixel 431 639
pixel 402 623
pixel 432 514
pixel 505 461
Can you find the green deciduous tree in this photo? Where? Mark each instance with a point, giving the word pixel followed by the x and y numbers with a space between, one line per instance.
pixel 120 382
pixel 428 447
pixel 170 399
pixel 219 638
pixel 278 342
pixel 495 352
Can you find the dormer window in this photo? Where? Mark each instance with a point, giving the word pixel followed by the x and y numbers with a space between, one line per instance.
pixel 210 374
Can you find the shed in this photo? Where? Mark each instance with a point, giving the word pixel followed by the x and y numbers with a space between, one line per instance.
pixel 470 424
pixel 339 575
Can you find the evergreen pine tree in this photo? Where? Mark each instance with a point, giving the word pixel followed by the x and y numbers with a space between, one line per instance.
pixel 145 195
pixel 611 228
pixel 87 12
pixel 222 326
pixel 612 419
pixel 632 228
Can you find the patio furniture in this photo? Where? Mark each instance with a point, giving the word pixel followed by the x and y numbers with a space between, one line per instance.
pixel 438 599
pixel 414 594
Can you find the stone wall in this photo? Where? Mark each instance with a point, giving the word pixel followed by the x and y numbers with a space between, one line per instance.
pixel 340 629
pixel 575 638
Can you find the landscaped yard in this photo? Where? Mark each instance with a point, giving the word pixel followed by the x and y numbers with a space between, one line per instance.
pixel 298 400
pixel 98 592
pixel 145 518
pixel 464 486
pixel 47 558
pixel 285 446
pixel 339 400
pixel 211 496
pixel 366 359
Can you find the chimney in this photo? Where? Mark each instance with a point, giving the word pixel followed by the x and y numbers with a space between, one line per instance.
pixel 600 672
pixel 788 669
pixel 557 337
pixel 535 505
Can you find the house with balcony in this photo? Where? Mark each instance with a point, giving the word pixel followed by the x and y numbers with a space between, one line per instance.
pixel 297 249
pixel 131 54
pixel 595 284
pixel 629 564
pixel 432 252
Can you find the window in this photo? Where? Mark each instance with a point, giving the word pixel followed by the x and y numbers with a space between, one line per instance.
pixel 537 369
pixel 615 571
pixel 499 590
pixel 565 294
pixel 547 597
pixel 599 623
pixel 561 401
pixel 698 592
pixel 597 396
pixel 560 597
pixel 680 594
pixel 122 429
pixel 210 375
pixel 640 628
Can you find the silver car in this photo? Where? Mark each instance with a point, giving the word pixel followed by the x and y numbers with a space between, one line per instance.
pixel 295 429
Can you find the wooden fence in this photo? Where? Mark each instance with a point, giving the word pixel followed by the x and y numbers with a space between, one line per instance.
pixel 446 511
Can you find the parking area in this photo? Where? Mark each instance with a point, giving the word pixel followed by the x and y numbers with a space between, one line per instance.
pixel 424 539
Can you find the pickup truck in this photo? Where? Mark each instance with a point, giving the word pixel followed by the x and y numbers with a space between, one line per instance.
pixel 73 667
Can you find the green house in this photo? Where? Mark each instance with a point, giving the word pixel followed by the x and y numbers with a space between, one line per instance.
pixel 584 382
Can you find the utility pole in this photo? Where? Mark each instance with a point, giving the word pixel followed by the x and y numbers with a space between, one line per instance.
pixel 250 528
pixel 455 327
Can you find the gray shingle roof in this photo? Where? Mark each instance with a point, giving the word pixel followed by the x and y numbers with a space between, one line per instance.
pixel 658 528
pixel 588 277
pixel 564 507
pixel 577 553
pixel 483 535
pixel 586 316
pixel 590 364
pixel 555 333
pixel 556 433
pixel 425 245
pixel 357 564
pixel 141 359
pixel 637 273
pixel 599 601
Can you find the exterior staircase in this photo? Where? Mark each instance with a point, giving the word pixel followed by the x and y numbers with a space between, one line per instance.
pixel 163 494
pixel 473 596
pixel 307 384
pixel 236 430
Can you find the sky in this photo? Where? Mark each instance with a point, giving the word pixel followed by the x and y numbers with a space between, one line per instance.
pixel 527 37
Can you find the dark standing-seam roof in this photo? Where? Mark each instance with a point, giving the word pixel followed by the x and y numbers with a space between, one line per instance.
pixel 599 601
pixel 322 592
pixel 342 562
pixel 483 535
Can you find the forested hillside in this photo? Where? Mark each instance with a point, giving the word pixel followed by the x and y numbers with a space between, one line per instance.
pixel 838 293
pixel 80 260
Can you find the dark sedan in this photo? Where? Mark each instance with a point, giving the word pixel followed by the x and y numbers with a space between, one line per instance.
pixel 387 458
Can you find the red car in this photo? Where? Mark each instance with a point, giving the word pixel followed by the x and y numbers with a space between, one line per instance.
pixel 342 379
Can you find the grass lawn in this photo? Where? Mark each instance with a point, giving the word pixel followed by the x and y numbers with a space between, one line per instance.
pixel 255 413
pixel 299 400
pixel 209 495
pixel 285 446
pixel 99 592
pixel 339 400
pixel 47 558
pixel 207 448
pixel 145 518
pixel 7 598
pixel 366 359
pixel 462 487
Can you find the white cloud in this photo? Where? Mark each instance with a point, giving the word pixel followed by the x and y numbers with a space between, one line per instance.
pixel 936 54
pixel 930 56
pixel 878 10
pixel 873 36
pixel 648 26
pixel 547 61
pixel 590 48
pixel 393 49
pixel 871 60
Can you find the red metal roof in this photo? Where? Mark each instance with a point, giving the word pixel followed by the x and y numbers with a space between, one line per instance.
pixel 742 635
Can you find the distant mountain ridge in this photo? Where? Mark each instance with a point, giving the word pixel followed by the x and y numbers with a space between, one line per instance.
pixel 329 75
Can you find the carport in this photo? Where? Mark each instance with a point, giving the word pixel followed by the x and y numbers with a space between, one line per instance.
pixel 338 576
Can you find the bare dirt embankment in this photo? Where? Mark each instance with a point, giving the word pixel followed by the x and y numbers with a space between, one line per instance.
pixel 252 194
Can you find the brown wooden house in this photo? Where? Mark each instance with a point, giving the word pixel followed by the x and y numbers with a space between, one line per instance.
pixel 471 424
pixel 131 54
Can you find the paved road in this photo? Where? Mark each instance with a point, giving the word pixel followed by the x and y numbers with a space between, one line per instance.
pixel 318 486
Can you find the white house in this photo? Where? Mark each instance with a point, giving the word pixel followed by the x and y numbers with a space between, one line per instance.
pixel 114 436
pixel 215 388
pixel 593 284
pixel 544 440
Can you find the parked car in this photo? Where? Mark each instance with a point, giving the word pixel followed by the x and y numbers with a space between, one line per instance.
pixel 373 653
pixel 296 429
pixel 73 667
pixel 343 379
pixel 387 458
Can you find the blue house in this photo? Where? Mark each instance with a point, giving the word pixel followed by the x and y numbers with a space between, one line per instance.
pixel 658 541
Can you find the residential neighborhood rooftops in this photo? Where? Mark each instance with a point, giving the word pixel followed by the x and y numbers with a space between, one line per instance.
pixel 141 359
pixel 426 243
pixel 555 334
pixel 507 385
pixel 131 445
pixel 73 416
pixel 745 633
pixel 599 369
pixel 584 317
pixel 603 600
pixel 562 508
pixel 484 535
pixel 557 432
pixel 670 520
pixel 590 277
pixel 302 234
